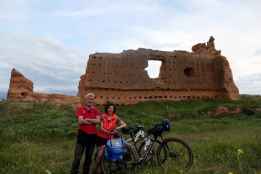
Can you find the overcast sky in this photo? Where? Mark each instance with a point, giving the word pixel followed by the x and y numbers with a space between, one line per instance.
pixel 49 41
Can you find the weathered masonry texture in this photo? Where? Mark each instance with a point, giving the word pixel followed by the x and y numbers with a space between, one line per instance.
pixel 21 89
pixel 121 78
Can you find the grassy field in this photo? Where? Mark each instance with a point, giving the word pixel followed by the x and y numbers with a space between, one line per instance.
pixel 39 138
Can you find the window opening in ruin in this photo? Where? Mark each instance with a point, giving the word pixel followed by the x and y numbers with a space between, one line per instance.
pixel 23 94
pixel 153 68
pixel 188 71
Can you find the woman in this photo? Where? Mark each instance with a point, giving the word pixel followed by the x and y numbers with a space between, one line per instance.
pixel 110 123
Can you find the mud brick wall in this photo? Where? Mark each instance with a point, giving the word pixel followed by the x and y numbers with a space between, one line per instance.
pixel 121 78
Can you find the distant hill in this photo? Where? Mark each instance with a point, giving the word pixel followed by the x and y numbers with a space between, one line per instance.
pixel 65 92
pixel 3 94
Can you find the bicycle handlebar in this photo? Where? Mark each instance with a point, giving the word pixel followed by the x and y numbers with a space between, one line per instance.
pixel 132 130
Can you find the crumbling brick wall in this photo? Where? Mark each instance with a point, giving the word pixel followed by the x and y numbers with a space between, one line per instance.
pixel 21 89
pixel 121 78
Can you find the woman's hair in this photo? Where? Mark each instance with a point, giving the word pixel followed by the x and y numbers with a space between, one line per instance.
pixel 107 107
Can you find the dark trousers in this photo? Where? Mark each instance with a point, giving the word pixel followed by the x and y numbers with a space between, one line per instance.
pixel 85 142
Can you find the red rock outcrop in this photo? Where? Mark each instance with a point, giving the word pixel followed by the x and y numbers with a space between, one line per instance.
pixel 121 78
pixel 206 48
pixel 221 110
pixel 21 89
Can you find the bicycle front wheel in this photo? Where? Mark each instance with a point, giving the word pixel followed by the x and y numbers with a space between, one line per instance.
pixel 176 153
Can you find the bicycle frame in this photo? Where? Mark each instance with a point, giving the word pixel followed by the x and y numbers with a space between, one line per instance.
pixel 150 140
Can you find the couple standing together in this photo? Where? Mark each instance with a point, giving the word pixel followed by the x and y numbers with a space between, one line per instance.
pixel 88 136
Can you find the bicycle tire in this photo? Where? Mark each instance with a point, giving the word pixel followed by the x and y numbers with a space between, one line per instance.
pixel 171 147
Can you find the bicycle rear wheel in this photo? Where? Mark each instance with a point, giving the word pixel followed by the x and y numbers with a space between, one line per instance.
pixel 176 153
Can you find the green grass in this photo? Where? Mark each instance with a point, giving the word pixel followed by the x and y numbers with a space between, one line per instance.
pixel 39 138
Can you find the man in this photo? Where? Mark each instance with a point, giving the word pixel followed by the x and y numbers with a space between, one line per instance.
pixel 88 116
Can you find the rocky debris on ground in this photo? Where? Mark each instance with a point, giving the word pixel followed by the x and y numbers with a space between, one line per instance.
pixel 221 110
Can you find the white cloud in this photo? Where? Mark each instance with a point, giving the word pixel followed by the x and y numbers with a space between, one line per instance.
pixel 250 84
pixel 14 10
pixel 117 25
pixel 257 53
pixel 45 61
pixel 104 7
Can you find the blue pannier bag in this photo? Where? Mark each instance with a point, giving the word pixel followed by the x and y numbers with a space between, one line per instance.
pixel 115 149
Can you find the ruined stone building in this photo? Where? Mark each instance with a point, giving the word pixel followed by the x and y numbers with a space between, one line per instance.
pixel 121 78
pixel 21 89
